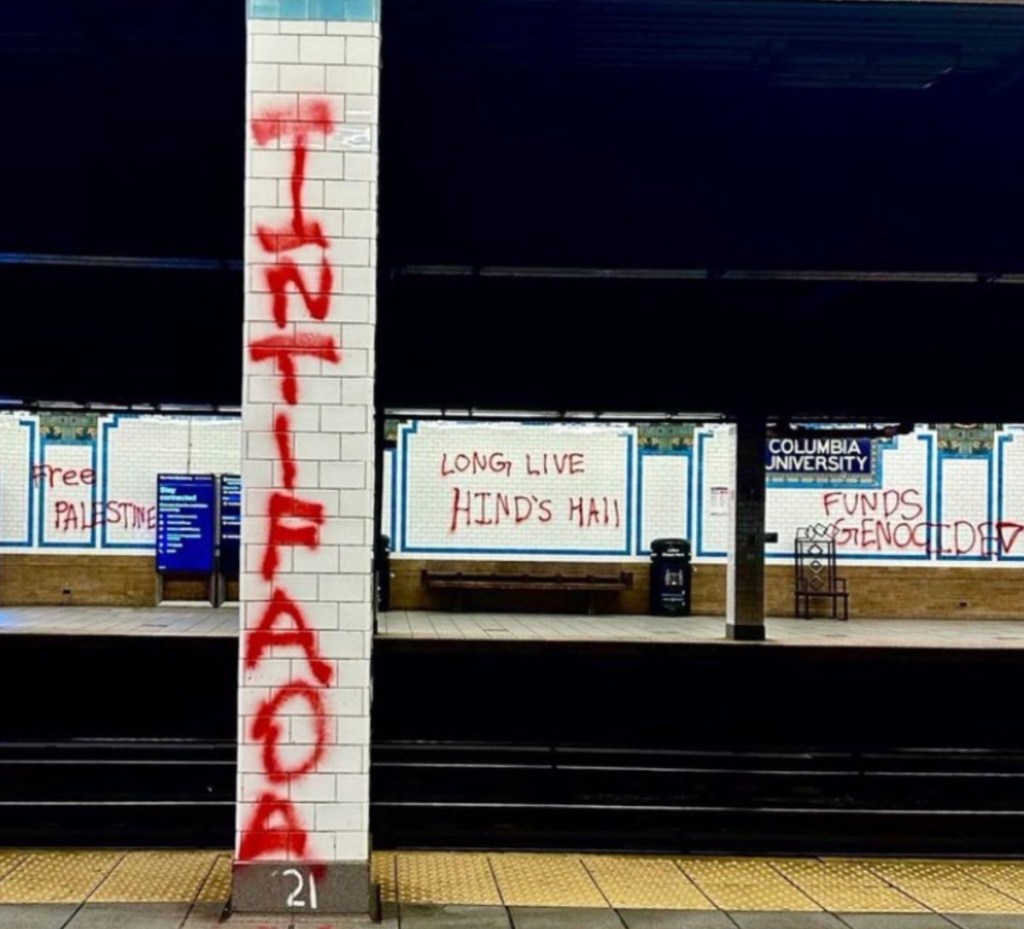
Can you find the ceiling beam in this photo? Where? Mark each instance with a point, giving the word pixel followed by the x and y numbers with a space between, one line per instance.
pixel 709 274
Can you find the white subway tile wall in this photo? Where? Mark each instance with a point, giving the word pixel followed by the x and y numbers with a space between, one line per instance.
pixel 714 450
pixel 877 519
pixel 966 518
pixel 920 505
pixel 18 454
pixel 512 489
pixel 97 494
pixel 664 495
pixel 70 508
pixel 451 491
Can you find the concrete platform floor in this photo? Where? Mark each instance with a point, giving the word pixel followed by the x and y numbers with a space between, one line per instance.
pixel 109 889
pixel 885 633
pixel 197 621
pixel 142 916
pixel 207 622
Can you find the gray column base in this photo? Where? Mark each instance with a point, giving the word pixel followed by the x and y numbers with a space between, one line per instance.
pixel 268 886
pixel 744 633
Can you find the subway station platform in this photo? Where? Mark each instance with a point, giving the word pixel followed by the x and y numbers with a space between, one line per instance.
pixel 192 621
pixel 879 633
pixel 112 889
pixel 207 622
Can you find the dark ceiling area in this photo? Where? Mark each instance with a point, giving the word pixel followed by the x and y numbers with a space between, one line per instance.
pixel 123 127
pixel 714 140
pixel 846 349
pixel 704 133
pixel 709 138
pixel 123 139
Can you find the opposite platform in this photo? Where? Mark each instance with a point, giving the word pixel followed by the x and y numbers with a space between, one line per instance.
pixel 197 621
pixel 207 622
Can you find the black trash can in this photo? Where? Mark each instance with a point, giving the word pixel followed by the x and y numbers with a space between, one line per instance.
pixel 671 577
pixel 382 564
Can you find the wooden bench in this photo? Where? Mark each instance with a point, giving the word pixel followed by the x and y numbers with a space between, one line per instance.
pixel 462 581
pixel 816 576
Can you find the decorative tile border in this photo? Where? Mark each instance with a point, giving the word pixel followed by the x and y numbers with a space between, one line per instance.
pixel 353 11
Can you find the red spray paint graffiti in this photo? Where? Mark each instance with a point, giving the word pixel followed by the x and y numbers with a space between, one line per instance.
pixel 299 635
pixel 283 350
pixel 274 828
pixel 894 521
pixel 494 507
pixel 76 516
pixel 68 516
pixel 56 476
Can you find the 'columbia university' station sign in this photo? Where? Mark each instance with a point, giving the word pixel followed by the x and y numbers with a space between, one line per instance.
pixel 819 456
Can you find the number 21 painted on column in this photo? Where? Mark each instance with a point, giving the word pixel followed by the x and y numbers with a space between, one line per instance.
pixel 295 897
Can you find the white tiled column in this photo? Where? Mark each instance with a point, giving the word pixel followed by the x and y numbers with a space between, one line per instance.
pixel 304 704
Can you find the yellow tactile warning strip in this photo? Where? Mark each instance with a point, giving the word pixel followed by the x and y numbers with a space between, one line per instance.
pixel 57 877
pixel 155 877
pixel 944 886
pixel 462 878
pixel 217 886
pixel 541 880
pixel 1005 877
pixel 9 860
pixel 519 879
pixel 845 887
pixel 644 883
pixel 746 884
pixel 384 871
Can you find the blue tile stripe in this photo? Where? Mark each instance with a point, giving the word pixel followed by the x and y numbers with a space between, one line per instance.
pixel 349 11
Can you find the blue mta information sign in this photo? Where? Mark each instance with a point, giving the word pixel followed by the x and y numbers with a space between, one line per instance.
pixel 185 508
pixel 230 522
